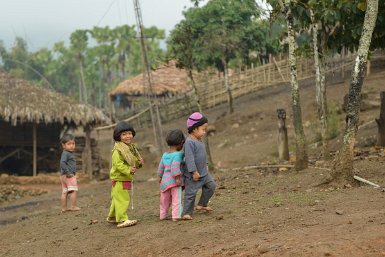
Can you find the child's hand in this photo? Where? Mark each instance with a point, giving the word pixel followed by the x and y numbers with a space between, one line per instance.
pixel 160 180
pixel 178 182
pixel 196 176
pixel 133 170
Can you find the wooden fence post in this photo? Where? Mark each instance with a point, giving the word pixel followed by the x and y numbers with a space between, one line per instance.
pixel 34 149
pixel 381 122
pixel 283 145
pixel 87 152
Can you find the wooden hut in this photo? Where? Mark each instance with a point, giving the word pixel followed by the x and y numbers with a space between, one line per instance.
pixel 31 121
pixel 167 81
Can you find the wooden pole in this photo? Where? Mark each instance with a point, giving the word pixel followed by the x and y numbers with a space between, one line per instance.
pixel 10 154
pixel 366 181
pixel 87 152
pixel 381 122
pixel 34 149
pixel 128 119
pixel 153 102
pixel 279 70
pixel 283 145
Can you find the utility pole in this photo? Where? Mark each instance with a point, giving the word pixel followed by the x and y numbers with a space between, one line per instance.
pixel 155 117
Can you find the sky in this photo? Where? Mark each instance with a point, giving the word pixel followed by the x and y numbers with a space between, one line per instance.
pixel 44 22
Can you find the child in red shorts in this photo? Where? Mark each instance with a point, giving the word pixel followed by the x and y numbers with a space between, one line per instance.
pixel 68 173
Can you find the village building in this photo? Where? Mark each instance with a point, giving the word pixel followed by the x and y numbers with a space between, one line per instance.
pixel 32 119
pixel 130 95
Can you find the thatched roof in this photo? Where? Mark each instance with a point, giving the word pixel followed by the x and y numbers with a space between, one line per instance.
pixel 21 101
pixel 167 79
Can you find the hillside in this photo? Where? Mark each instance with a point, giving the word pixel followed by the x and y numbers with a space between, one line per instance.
pixel 256 212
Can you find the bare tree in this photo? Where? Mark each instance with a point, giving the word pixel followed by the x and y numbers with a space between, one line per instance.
pixel 319 63
pixel 301 161
pixel 343 163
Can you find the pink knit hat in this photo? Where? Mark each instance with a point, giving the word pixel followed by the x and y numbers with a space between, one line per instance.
pixel 195 120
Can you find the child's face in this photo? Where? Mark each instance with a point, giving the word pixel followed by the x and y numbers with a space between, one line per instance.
pixel 200 131
pixel 126 137
pixel 69 146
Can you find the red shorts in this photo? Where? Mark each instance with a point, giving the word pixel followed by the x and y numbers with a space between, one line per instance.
pixel 68 184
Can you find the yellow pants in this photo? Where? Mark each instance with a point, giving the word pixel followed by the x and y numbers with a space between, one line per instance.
pixel 120 200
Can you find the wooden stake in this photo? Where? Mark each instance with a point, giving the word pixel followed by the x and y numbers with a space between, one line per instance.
pixel 283 145
pixel 34 149
pixel 366 181
pixel 381 122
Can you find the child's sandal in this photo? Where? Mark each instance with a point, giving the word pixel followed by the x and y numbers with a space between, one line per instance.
pixel 127 223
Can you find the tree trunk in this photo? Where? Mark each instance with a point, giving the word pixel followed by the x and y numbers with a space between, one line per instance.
pixel 80 88
pixel 283 145
pixel 227 86
pixel 301 161
pixel 198 102
pixel 381 122
pixel 319 63
pixel 87 152
pixel 84 89
pixel 343 163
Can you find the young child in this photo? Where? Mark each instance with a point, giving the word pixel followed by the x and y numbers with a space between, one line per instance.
pixel 197 175
pixel 125 160
pixel 170 176
pixel 68 173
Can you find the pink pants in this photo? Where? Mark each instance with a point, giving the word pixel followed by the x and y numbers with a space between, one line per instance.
pixel 172 197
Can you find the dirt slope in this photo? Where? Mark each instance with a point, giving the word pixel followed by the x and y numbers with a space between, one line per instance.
pixel 256 212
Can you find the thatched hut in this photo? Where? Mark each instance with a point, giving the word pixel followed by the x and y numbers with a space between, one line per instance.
pixel 167 81
pixel 31 121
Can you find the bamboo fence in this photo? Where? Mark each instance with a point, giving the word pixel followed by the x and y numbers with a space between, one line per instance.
pixel 212 92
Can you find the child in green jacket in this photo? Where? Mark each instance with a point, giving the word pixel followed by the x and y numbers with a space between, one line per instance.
pixel 125 160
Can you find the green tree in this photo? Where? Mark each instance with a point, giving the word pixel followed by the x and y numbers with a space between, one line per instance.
pixel 79 41
pixel 224 33
pixel 125 37
pixel 63 70
pixel 182 45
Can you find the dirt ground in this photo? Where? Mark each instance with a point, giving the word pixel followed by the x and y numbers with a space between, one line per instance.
pixel 257 212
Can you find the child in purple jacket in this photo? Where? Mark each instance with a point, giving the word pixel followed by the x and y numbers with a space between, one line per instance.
pixel 197 175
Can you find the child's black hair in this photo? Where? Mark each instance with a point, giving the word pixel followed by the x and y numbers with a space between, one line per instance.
pixel 66 137
pixel 122 127
pixel 175 137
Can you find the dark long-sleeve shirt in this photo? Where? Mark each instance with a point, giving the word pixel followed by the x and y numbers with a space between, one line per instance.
pixel 196 157
pixel 67 163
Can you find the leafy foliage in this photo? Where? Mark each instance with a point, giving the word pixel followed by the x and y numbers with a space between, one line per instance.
pixel 94 62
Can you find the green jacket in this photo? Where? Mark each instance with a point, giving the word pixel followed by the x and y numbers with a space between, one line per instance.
pixel 121 170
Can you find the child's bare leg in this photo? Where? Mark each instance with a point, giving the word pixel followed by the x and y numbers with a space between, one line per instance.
pixel 63 201
pixel 73 197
